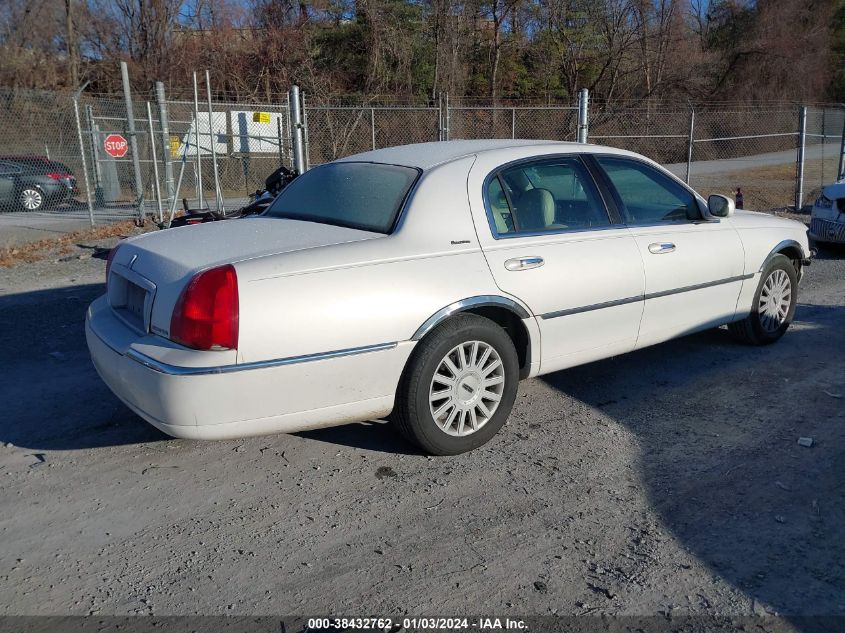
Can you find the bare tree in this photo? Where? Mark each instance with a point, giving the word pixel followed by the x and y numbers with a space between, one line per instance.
pixel 72 45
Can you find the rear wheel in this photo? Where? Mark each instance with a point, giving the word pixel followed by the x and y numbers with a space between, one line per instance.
pixel 459 386
pixel 774 304
pixel 31 199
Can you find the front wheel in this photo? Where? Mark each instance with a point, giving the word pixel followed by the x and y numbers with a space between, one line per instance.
pixel 774 304
pixel 459 386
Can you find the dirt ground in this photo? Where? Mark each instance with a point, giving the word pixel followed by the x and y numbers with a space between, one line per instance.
pixel 667 481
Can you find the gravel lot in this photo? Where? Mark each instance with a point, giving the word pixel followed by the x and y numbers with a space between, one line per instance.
pixel 665 481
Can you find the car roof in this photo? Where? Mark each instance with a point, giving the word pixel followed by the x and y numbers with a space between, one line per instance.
pixel 28 159
pixel 427 155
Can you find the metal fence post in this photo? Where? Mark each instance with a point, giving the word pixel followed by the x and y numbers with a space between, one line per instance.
pixel 133 141
pixel 218 194
pixel 279 136
pixel 840 172
pixel 82 154
pixel 157 189
pixel 802 138
pixel 513 122
pixel 439 116
pixel 289 127
pixel 583 114
pixel 824 142
pixel 197 142
pixel 373 125
pixel 95 150
pixel 296 130
pixel 690 142
pixel 447 131
pixel 305 132
pixel 165 139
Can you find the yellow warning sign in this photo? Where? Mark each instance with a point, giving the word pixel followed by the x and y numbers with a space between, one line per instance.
pixel 175 144
pixel 260 117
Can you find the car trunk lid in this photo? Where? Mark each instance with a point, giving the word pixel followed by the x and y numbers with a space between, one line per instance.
pixel 163 262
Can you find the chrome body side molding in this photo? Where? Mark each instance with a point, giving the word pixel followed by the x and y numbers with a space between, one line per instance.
pixel 646 297
pixel 175 370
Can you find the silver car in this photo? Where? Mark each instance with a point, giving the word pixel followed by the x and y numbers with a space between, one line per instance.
pixel 828 216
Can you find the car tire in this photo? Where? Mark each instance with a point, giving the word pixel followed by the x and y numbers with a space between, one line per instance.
pixel 31 199
pixel 774 304
pixel 480 360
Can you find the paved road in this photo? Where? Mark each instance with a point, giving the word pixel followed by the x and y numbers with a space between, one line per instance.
pixel 21 228
pixel 730 165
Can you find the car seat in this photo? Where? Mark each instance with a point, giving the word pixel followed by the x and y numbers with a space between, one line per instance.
pixel 536 210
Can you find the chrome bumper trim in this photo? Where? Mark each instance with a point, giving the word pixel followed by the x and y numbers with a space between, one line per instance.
pixel 175 370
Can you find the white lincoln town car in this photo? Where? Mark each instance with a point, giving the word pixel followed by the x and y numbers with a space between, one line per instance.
pixel 421 283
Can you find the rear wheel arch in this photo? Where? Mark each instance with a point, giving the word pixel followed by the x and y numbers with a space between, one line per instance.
pixel 505 312
pixel 515 329
pixel 457 400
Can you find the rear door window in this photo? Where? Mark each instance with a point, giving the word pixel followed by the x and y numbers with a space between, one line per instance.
pixel 545 196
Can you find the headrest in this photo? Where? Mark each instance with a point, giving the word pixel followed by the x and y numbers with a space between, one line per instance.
pixel 536 210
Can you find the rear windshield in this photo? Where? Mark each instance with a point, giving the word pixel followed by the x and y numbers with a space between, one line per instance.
pixel 366 196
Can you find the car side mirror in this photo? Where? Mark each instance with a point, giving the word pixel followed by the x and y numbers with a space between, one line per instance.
pixel 720 206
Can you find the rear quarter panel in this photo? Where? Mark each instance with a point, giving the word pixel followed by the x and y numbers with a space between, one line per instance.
pixel 367 293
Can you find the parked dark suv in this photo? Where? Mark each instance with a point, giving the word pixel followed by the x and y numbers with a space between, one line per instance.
pixel 31 183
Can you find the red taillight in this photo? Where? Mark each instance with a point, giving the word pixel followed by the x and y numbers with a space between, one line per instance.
pixel 206 314
pixel 112 253
pixel 56 176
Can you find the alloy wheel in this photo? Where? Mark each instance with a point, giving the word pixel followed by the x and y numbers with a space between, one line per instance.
pixel 31 199
pixel 466 388
pixel 775 300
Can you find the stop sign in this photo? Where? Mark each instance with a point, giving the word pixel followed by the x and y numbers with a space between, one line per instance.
pixel 115 145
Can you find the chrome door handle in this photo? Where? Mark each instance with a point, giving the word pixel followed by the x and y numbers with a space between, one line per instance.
pixel 524 263
pixel 658 248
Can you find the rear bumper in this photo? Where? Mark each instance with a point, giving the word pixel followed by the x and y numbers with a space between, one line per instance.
pixel 206 403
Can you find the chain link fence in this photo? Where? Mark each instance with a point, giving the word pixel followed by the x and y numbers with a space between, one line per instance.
pixel 752 150
pixel 527 122
pixel 730 149
pixel 334 131
pixel 721 148
pixel 824 137
pixel 177 147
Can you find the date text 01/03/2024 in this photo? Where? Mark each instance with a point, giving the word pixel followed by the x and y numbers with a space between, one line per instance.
pixel 411 624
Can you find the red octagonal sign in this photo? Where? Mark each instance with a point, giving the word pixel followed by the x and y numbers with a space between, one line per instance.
pixel 115 145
